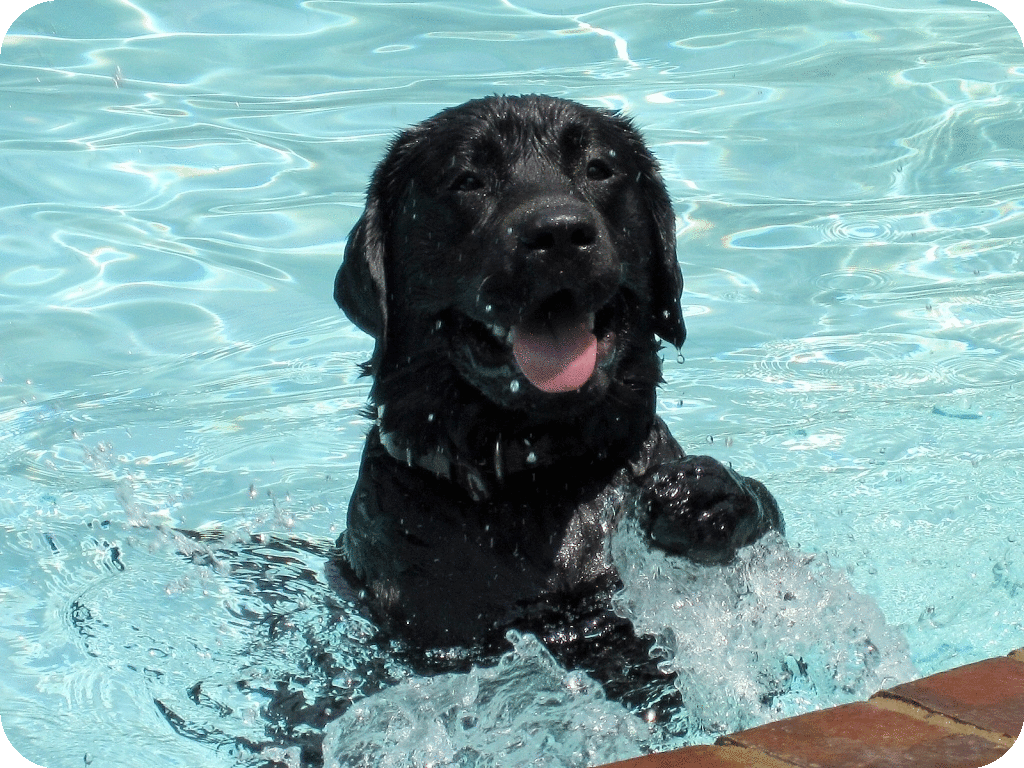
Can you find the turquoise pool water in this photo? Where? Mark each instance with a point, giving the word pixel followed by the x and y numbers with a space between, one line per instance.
pixel 176 183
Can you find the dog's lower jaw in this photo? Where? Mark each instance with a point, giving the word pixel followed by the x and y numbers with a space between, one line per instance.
pixel 494 358
pixel 473 442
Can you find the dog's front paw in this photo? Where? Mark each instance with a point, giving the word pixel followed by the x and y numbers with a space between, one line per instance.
pixel 700 508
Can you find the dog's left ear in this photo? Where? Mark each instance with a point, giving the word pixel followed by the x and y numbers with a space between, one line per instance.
pixel 666 286
pixel 667 279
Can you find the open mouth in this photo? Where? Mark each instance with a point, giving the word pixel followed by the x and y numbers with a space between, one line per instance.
pixel 557 348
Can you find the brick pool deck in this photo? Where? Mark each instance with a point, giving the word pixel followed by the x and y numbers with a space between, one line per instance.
pixel 964 718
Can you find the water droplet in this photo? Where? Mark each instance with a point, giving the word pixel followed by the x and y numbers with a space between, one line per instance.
pixel 531 458
pixel 514 385
pixel 430 417
pixel 488 309
pixel 680 358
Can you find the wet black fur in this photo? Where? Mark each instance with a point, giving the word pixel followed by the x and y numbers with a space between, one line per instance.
pixel 498 211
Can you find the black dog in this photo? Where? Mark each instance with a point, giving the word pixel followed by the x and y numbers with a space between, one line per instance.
pixel 515 263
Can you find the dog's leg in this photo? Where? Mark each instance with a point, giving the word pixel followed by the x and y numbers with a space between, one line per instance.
pixel 697 507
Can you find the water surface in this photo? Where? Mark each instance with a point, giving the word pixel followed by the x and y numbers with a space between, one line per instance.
pixel 176 184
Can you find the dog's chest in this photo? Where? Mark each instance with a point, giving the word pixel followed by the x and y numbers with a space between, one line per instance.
pixel 443 566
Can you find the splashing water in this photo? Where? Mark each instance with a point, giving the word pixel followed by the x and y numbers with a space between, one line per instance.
pixel 527 710
pixel 774 634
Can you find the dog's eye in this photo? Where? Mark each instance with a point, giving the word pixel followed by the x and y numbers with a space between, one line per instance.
pixel 599 170
pixel 466 182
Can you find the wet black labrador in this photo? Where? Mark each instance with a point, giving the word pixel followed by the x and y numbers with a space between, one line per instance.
pixel 516 264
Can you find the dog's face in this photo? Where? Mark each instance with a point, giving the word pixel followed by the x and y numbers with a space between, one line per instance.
pixel 526 242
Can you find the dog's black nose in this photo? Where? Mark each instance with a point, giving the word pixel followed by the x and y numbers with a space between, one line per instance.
pixel 551 246
pixel 563 229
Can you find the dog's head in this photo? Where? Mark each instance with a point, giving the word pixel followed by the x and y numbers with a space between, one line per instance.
pixel 527 242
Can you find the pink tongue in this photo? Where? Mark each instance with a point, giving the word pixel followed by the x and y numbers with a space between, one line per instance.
pixel 560 358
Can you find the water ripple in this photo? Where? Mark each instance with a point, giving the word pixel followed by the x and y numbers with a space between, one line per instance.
pixel 887 362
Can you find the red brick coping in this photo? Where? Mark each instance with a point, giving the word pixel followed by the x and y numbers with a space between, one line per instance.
pixel 964 718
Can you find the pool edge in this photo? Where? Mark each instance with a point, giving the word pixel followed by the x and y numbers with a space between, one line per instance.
pixel 966 717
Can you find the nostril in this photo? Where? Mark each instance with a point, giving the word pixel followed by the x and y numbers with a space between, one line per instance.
pixel 539 241
pixel 583 235
pixel 558 232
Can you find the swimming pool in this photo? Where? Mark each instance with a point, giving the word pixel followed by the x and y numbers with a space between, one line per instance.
pixel 177 184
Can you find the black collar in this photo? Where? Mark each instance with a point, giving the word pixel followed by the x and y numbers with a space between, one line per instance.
pixel 480 481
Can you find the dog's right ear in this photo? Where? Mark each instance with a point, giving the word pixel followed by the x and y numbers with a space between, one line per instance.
pixel 360 287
